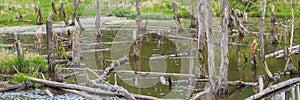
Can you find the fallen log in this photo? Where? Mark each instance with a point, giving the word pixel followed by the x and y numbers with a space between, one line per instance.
pixel 273 88
pixel 280 52
pixel 84 88
pixel 17 86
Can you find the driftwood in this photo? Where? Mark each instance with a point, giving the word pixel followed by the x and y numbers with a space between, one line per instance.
pixel 273 88
pixel 154 73
pixel 261 83
pixel 112 66
pixel 17 86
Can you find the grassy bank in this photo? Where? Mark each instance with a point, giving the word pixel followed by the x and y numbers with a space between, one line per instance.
pixel 150 9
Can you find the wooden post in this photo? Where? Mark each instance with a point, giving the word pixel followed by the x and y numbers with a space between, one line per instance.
pixel 177 20
pixel 98 34
pixel 51 65
pixel 37 41
pixel 138 20
pixel 201 40
pixel 262 52
pixel 192 17
pixel 223 86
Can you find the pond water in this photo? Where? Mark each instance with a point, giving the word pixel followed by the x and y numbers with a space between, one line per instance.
pixel 157 49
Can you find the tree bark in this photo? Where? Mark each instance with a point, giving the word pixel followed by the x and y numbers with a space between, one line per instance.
pixel 138 20
pixel 51 64
pixel 192 17
pixel 262 53
pixel 98 34
pixel 201 40
pixel 223 86
pixel 177 20
pixel 292 29
pixel 211 63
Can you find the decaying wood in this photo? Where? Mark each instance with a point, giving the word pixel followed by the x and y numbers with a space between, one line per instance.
pixel 76 17
pixel 273 88
pixel 262 53
pixel 280 53
pixel 51 62
pixel 115 87
pixel 54 12
pixel 223 85
pixel 98 35
pixel 39 17
pixel 289 65
pixel 63 14
pixel 18 47
pixel 201 40
pixel 17 86
pixel 38 41
pixel 112 66
pixel 210 61
pixel 138 20
pixel 274 39
pixel 261 83
pixel 177 20
pixel 192 17
pixel 254 66
pixel 200 94
pixel 292 29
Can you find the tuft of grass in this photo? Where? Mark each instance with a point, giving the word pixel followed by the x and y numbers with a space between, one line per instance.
pixel 26 64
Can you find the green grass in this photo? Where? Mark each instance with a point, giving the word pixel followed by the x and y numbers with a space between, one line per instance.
pixel 11 8
pixel 26 64
pixel 160 10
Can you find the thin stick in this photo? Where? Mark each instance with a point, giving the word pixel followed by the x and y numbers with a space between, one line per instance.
pixel 292 31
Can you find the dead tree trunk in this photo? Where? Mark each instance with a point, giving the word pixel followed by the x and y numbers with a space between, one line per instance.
pixel 51 64
pixel 223 86
pixel 76 4
pixel 18 46
pixel 262 52
pixel 289 65
pixel 63 14
pixel 192 17
pixel 273 27
pixel 299 59
pixel 98 34
pixel 292 30
pixel 39 17
pixel 54 12
pixel 211 58
pixel 177 20
pixel 201 40
pixel 138 20
pixel 254 64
